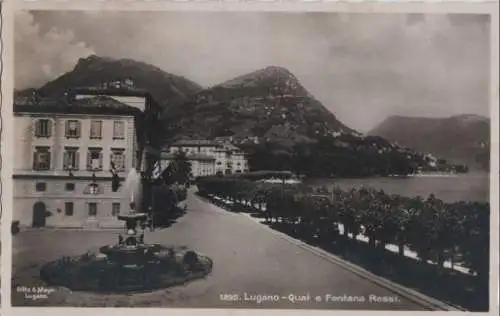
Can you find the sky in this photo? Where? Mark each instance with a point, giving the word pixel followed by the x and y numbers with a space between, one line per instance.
pixel 362 67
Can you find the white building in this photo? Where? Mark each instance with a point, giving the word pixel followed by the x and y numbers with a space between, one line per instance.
pixel 201 165
pixel 64 154
pixel 224 157
pixel 59 153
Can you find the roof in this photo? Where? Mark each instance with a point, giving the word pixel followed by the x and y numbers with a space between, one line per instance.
pixel 230 146
pixel 112 91
pixel 95 105
pixel 167 156
pixel 195 142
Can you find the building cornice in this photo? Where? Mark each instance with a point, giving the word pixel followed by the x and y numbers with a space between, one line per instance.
pixel 62 177
pixel 73 115
pixel 51 109
pixel 111 91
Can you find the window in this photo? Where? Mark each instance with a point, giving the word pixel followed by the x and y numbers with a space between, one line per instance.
pixel 93 189
pixel 94 159
pixel 41 186
pixel 43 128
pixel 41 158
pixel 73 129
pixel 95 129
pixel 70 187
pixel 115 209
pixel 117 157
pixel 92 209
pixel 118 130
pixel 68 208
pixel 71 158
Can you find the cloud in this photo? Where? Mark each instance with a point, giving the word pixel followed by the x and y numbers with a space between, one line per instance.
pixel 42 56
pixel 362 67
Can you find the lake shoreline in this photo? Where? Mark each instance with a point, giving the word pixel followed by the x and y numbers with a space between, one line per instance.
pixel 480 174
pixel 459 187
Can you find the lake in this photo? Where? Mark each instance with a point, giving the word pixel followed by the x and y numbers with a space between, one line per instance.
pixel 450 188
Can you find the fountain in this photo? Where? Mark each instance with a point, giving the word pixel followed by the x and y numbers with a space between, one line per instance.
pixel 130 264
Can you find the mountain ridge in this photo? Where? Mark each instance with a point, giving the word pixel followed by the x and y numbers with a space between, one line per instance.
pixel 269 102
pixel 462 138
pixel 93 70
pixel 267 110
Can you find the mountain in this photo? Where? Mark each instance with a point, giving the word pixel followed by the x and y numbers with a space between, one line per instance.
pixel 94 71
pixel 273 118
pixel 462 139
pixel 269 103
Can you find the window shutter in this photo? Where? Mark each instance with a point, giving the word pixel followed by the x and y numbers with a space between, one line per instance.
pixel 100 160
pixel 99 129
pixel 66 160
pixel 37 127
pixel 89 160
pixel 95 129
pixel 49 128
pixel 35 156
pixel 77 160
pixel 122 167
pixel 111 161
pixel 78 128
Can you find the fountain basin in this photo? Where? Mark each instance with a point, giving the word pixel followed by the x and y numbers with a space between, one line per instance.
pixel 116 269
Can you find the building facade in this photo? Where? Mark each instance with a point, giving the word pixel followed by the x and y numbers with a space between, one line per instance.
pixel 210 157
pixel 67 153
pixel 201 165
pixel 148 124
pixel 59 155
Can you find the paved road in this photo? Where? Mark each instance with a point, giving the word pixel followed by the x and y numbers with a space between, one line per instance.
pixel 249 260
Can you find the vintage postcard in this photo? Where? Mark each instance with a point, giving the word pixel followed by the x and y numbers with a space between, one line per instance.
pixel 270 157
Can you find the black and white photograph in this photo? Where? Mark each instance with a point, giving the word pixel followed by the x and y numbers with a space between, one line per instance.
pixel 252 160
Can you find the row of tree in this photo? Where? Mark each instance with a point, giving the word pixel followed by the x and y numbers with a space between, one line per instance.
pixel 435 230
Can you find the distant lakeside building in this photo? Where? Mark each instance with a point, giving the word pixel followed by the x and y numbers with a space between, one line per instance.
pixel 64 153
pixel 207 157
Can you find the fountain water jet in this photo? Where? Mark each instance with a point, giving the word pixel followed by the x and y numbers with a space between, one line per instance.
pixel 133 187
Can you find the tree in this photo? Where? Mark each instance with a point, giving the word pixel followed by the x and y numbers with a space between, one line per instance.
pixel 179 169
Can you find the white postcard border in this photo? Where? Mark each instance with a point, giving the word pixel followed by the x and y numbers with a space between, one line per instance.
pixel 263 5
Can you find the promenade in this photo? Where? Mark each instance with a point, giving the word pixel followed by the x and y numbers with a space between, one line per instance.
pixel 249 260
